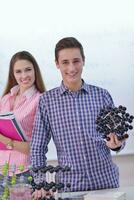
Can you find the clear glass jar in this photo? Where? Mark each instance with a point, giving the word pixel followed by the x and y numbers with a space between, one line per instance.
pixel 20 192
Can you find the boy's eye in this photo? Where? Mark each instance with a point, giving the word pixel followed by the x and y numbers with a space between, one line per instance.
pixel 76 61
pixel 65 62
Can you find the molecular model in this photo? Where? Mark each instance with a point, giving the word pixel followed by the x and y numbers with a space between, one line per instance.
pixel 50 185
pixel 15 188
pixel 114 120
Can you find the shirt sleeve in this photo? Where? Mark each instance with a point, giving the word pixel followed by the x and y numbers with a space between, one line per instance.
pixel 1 104
pixel 108 102
pixel 40 139
pixel 3 100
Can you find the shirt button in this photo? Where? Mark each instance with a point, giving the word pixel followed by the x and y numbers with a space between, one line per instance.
pixel 84 157
pixel 82 143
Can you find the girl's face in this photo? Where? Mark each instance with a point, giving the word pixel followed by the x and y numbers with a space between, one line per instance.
pixel 24 74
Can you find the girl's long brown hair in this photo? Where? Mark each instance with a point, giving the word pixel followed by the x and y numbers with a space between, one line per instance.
pixel 11 82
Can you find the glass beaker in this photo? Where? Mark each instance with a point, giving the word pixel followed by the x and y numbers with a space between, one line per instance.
pixel 20 192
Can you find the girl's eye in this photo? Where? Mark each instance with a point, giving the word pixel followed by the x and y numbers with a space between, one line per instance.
pixel 28 69
pixel 17 72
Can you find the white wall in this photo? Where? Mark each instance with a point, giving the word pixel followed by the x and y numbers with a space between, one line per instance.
pixel 126 168
pixel 104 27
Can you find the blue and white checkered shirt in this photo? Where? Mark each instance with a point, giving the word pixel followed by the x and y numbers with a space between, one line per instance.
pixel 70 118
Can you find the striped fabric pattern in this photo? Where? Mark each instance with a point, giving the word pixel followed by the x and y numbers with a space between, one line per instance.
pixel 24 111
pixel 69 117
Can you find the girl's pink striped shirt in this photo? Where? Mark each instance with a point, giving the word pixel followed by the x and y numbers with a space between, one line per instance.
pixel 24 111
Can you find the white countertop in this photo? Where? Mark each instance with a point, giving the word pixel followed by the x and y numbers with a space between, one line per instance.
pixel 128 190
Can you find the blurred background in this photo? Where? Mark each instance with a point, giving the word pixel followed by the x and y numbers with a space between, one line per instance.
pixel 104 27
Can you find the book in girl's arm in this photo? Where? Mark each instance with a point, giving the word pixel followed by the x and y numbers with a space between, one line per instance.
pixel 11 128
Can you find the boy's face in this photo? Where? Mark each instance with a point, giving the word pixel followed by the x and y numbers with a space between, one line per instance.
pixel 70 64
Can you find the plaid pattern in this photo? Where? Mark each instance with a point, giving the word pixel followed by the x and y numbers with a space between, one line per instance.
pixel 69 117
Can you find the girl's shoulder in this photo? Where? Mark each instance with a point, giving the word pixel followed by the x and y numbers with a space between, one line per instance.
pixel 5 97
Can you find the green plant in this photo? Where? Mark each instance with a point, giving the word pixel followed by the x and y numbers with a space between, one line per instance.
pixel 12 181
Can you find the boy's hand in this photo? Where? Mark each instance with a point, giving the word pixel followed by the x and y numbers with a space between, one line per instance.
pixel 113 141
